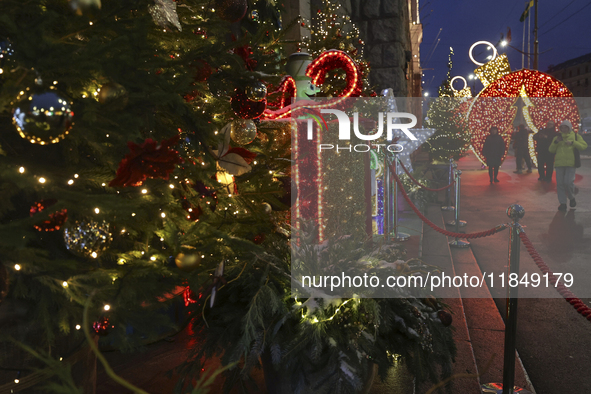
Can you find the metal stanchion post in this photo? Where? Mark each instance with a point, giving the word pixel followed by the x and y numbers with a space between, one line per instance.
pixel 515 212
pixel 461 223
pixel 448 206
pixel 458 243
pixel 398 236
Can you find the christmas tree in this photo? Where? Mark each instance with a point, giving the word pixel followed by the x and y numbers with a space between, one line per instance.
pixel 137 180
pixel 129 173
pixel 445 114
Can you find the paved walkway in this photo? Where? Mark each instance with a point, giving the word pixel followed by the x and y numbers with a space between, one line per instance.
pixel 552 338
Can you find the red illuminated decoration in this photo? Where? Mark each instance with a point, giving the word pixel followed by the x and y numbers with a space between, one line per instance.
pixel 317 71
pixel 287 90
pixel 331 60
pixel 245 108
pixel 545 98
pixel 56 220
pixel 102 326
pixel 189 297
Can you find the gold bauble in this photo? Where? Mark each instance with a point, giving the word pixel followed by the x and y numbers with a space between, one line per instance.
pixel 187 262
pixel 113 94
pixel 243 131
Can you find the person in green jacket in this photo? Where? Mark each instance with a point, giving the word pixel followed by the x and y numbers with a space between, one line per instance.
pixel 563 146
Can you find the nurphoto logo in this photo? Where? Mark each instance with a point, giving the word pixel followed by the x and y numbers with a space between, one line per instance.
pixel 344 122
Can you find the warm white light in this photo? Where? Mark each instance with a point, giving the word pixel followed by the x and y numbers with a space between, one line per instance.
pixel 21 170
pixel 426 94
pixel 163 214
pixel 458 77
pixel 144 191
pixel 65 284
pixel 94 255
pixel 76 175
pixel 504 43
pixel 153 258
pixel 16 381
pixel 471 76
pixel 107 307
pixel 96 210
pixel 41 180
pixel 494 55
pixel 171 186
pixel 17 267
pixel 78 326
pixel 71 182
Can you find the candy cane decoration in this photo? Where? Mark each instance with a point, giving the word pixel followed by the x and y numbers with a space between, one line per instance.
pixel 317 71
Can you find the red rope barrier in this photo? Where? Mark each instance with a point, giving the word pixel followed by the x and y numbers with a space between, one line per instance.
pixel 577 303
pixel 423 186
pixel 439 229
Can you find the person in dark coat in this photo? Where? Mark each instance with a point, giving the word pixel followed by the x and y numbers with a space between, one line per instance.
pixel 543 140
pixel 493 151
pixel 520 145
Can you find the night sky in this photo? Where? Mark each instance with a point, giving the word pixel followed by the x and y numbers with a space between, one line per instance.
pixel 464 22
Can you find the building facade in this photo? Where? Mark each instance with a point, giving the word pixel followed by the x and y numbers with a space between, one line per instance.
pixel 576 75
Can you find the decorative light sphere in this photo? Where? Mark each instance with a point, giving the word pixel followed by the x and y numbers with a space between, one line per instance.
pixel 515 211
pixel 243 131
pixel 187 262
pixel 257 91
pixel 87 238
pixel 44 118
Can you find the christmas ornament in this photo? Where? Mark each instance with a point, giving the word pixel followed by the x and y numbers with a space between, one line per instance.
pixel 87 238
pixel 56 219
pixel 231 10
pixel 231 161
pixel 267 208
pixel 243 131
pixel 545 99
pixel 113 94
pixel 44 118
pixel 85 6
pixel 102 326
pixel 148 160
pixel 445 318
pixel 4 282
pixel 164 14
pixel 257 91
pixel 245 108
pixel 187 262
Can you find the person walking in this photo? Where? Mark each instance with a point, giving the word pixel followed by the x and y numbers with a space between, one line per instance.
pixel 493 150
pixel 520 146
pixel 543 140
pixel 563 146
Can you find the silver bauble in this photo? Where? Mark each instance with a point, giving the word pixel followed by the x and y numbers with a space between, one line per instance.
pixel 44 118
pixel 87 238
pixel 243 131
pixel 256 91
